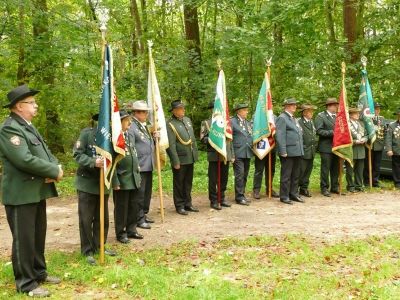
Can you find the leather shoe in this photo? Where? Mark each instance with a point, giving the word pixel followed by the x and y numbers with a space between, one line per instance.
pixel 242 202
pixel 256 194
pixel 215 206
pixel 191 208
pixel 90 260
pixel 182 211
pixel 51 280
pixel 337 192
pixel 305 193
pixel 110 252
pixel 148 220
pixel 225 204
pixel 144 225
pixel 39 293
pixel 297 199
pixel 287 201
pixel 274 194
pixel 135 235
pixel 326 193
pixel 124 240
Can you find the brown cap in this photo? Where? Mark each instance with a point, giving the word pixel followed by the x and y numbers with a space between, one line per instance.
pixel 353 110
pixel 307 106
pixel 331 101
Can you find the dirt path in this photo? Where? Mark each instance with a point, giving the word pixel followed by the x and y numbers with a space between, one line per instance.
pixel 352 216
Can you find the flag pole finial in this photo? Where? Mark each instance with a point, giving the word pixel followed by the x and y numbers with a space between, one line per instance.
pixel 364 61
pixel 219 64
pixel 103 16
pixel 343 67
pixel 268 61
pixel 150 44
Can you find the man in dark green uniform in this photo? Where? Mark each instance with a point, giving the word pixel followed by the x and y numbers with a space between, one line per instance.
pixel 87 183
pixel 310 142
pixel 214 158
pixel 377 148
pixel 289 140
pixel 324 125
pixel 392 146
pixel 354 175
pixel 29 172
pixel 242 146
pixel 126 183
pixel 182 153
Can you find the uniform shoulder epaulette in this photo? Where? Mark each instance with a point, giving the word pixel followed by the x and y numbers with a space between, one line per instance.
pixel 8 121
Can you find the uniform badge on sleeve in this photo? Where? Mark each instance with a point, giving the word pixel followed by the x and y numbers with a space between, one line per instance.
pixel 15 140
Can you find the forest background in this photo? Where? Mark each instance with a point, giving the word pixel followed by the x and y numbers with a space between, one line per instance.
pixel 55 46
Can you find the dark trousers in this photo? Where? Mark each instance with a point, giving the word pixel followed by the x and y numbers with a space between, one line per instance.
pixel 125 212
pixel 354 175
pixel 28 224
pixel 329 168
pixel 182 186
pixel 213 180
pixel 144 195
pixel 89 221
pixel 259 166
pixel 376 167
pixel 241 168
pixel 306 166
pixel 396 170
pixel 290 171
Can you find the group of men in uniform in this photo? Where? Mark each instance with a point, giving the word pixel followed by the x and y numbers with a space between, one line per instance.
pixel 28 162
pixel 298 139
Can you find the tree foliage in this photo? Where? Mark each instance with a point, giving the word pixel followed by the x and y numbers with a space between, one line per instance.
pixel 55 47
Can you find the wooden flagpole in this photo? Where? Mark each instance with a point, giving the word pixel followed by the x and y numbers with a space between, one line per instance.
pixel 364 64
pixel 340 159
pixel 269 154
pixel 157 139
pixel 103 18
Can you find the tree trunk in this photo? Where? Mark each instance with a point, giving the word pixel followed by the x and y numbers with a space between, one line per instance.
pixel 45 70
pixel 193 44
pixel 329 10
pixel 138 25
pixel 144 15
pixel 21 71
pixel 350 27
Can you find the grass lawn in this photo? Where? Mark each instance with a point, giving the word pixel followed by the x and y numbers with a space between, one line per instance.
pixel 289 267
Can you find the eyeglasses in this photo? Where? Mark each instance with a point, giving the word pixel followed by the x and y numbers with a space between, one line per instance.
pixel 30 102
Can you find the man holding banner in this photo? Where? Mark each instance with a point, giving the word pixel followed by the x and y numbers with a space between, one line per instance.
pixel 324 125
pixel 263 141
pixel 218 171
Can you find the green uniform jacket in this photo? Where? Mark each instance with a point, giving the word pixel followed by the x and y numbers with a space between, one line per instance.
pixel 392 140
pixel 182 142
pixel 87 175
pixel 310 139
pixel 288 136
pixel 242 139
pixel 379 123
pixel 359 134
pixel 27 162
pixel 212 155
pixel 127 172
pixel 324 125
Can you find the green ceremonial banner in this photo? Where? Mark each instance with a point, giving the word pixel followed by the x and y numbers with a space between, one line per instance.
pixel 366 104
pixel 216 137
